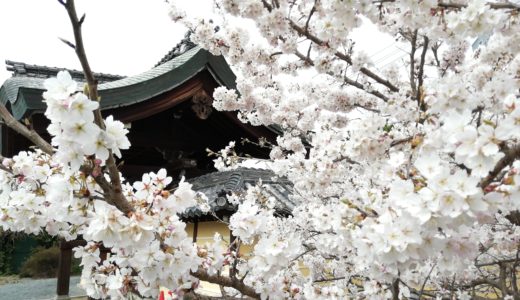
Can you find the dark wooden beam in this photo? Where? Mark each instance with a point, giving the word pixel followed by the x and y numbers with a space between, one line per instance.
pixel 157 104
pixel 195 231
pixel 64 264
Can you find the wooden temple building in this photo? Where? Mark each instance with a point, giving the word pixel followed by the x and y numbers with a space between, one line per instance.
pixel 168 110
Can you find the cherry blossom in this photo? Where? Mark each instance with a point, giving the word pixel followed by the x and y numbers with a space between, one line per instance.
pixel 404 179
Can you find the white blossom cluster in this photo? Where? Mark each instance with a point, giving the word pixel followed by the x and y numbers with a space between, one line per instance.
pixel 401 184
pixel 72 124
pixel 145 249
pixel 390 173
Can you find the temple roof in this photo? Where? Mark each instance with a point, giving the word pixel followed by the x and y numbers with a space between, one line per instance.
pixel 219 184
pixel 21 69
pixel 23 94
pixel 184 45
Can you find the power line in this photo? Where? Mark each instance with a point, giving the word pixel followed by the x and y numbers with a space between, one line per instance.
pixel 381 50
pixel 399 57
pixel 382 59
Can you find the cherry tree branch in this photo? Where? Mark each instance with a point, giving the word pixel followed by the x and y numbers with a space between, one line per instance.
pixel 30 134
pixel 492 5
pixel 421 292
pixel 228 282
pixel 345 57
pixel 347 80
pixel 420 75
pixel 115 192
pixel 510 156
pixel 413 41
pixel 313 10
pixel 452 5
pixel 394 288
pixel 195 296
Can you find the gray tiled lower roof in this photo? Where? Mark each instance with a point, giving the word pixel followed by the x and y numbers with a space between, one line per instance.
pixel 218 184
pixel 24 93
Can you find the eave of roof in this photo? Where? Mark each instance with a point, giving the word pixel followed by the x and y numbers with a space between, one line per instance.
pixel 23 94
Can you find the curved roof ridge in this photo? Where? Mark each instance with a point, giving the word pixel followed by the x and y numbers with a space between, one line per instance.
pixel 153 72
pixel 24 93
pixel 21 69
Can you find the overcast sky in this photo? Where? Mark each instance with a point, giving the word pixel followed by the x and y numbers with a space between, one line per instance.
pixel 121 36
pixel 124 37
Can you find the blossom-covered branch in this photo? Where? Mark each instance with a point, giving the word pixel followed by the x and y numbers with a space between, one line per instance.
pixel 113 192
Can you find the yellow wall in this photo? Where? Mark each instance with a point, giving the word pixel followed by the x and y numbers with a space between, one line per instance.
pixel 205 233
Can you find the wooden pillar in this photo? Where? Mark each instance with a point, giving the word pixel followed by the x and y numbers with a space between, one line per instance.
pixel 195 229
pixel 65 261
pixel 64 266
pixel 233 247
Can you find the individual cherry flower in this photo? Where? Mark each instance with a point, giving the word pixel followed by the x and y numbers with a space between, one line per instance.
pixel 59 87
pixel 450 204
pixel 463 184
pixel 99 148
pixel 428 164
pixel 144 188
pixel 116 135
pixel 80 107
pixel 81 130
pixel 161 179
pixel 88 254
pixel 183 197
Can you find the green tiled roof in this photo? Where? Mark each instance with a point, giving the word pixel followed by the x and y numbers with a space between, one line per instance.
pixel 24 93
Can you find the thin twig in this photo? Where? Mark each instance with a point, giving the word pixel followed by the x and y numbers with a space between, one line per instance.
pixel 425 281
pixel 313 10
pixel 67 43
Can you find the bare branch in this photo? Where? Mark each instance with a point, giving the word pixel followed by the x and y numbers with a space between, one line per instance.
pixel 510 156
pixel 421 292
pixel 81 20
pixel 394 288
pixel 420 75
pixel 451 5
pixel 226 281
pixel 413 42
pixel 492 5
pixel 435 50
pixel 67 43
pixel 329 279
pixel 30 134
pixel 267 5
pixel 313 10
